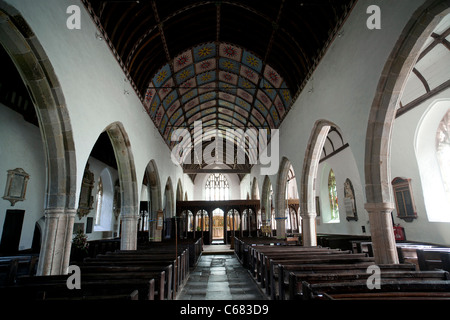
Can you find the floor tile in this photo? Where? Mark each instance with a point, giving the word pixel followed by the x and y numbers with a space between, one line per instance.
pixel 220 277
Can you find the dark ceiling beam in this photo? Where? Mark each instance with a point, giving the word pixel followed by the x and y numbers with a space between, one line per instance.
pixel 422 98
pixel 422 79
pixel 437 40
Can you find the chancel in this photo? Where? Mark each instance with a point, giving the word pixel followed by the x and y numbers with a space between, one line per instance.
pixel 224 150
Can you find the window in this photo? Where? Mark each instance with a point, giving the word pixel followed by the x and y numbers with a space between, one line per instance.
pixel 332 195
pixel 432 150
pixel 99 202
pixel 217 187
pixel 404 202
pixel 443 151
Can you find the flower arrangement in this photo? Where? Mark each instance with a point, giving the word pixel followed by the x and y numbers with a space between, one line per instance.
pixel 80 241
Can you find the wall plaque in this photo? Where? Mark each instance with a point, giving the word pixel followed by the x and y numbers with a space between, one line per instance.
pixel 16 185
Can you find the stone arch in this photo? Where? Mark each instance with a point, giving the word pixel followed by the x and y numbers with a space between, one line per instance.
pixel 308 180
pixel 266 203
pixel 169 208
pixel 155 196
pixel 128 185
pixel 37 73
pixel 381 120
pixel 280 198
pixel 151 171
pixel 255 189
pixel 179 196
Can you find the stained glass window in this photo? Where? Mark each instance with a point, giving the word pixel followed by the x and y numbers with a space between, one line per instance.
pixel 99 202
pixel 332 194
pixel 217 187
pixel 443 150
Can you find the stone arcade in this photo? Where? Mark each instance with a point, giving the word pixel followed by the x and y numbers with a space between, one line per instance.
pixel 352 94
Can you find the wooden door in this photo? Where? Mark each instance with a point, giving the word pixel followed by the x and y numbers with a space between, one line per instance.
pixel 12 229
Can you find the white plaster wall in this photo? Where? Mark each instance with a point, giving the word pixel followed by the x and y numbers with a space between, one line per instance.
pixel 93 86
pixel 106 228
pixel 201 178
pixel 344 167
pixel 404 164
pixel 21 147
pixel 342 88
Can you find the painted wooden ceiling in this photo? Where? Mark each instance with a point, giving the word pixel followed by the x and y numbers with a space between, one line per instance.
pixel 230 64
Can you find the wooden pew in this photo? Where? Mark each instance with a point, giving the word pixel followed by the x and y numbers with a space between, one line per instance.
pixel 55 287
pixel 433 258
pixel 13 266
pixel 388 272
pixel 390 289
pixel 340 241
pixel 180 269
pixel 265 260
pixel 273 277
pixel 169 266
pixel 162 278
pixel 258 256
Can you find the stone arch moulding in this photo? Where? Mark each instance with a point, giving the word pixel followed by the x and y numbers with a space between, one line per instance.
pixel 280 199
pixel 266 210
pixel 36 70
pixel 169 195
pixel 255 189
pixel 128 185
pixel 308 180
pixel 179 196
pixel 151 171
pixel 155 185
pixel 381 119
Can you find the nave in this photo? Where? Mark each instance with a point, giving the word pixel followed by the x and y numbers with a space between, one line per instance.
pixel 220 277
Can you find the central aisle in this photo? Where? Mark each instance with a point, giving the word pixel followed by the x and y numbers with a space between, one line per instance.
pixel 220 277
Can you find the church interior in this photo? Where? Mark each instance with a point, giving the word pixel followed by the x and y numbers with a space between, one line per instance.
pixel 154 150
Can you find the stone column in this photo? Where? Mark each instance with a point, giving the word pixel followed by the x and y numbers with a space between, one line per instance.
pixel 54 257
pixel 241 224
pixel 128 239
pixel 382 232
pixel 225 221
pixel 281 227
pixel 309 233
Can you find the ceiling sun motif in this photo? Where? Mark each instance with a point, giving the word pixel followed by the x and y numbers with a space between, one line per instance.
pixel 221 85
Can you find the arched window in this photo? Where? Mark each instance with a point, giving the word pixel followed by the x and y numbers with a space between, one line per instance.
pixel 443 151
pixel 217 187
pixel 332 195
pixel 98 212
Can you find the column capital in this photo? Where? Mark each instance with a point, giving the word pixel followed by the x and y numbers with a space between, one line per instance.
pixel 129 217
pixel 56 212
pixel 379 207
pixel 306 215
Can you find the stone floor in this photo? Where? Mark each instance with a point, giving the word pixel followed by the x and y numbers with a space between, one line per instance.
pixel 220 277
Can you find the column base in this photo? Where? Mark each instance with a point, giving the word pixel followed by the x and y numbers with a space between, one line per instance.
pixel 382 232
pixel 54 258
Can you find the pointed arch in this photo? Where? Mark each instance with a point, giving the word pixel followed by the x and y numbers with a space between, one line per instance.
pixel 381 120
pixel 280 199
pixel 266 200
pixel 169 205
pixel 128 184
pixel 155 197
pixel 179 196
pixel 307 182
pixel 255 189
pixel 37 73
